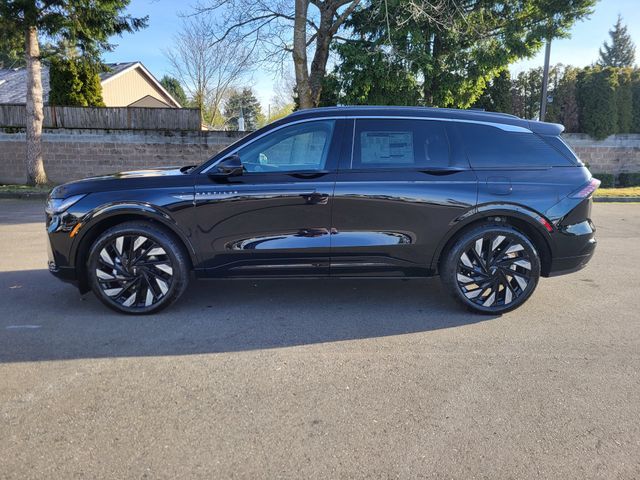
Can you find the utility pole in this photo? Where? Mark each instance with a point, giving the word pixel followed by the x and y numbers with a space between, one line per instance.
pixel 545 81
pixel 241 121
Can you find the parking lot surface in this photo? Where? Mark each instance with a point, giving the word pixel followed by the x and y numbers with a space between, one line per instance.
pixel 321 378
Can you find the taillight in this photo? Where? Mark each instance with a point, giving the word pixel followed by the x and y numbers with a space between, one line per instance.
pixel 588 189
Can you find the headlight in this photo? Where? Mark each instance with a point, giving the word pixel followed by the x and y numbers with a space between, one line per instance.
pixel 59 205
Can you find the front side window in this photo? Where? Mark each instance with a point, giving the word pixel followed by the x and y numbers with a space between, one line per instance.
pixel 391 143
pixel 301 147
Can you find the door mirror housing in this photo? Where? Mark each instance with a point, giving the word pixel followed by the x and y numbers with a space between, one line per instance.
pixel 228 167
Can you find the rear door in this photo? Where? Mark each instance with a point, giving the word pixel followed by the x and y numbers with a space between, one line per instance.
pixel 400 186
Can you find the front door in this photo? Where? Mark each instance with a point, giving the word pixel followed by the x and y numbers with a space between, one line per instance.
pixel 275 218
pixel 399 189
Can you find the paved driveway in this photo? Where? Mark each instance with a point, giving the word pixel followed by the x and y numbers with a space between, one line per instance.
pixel 322 379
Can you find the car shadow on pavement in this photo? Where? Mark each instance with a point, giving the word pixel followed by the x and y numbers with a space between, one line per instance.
pixel 44 319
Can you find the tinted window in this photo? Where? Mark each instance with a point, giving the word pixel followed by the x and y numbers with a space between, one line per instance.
pixel 561 146
pixel 389 143
pixel 296 148
pixel 491 147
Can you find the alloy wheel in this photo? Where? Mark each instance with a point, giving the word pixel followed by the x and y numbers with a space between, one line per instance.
pixel 493 271
pixel 134 271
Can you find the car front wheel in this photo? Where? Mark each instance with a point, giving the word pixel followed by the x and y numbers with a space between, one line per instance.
pixel 491 269
pixel 137 268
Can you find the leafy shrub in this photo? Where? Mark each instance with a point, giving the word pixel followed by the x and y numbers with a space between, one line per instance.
pixel 608 179
pixel 629 179
pixel 597 104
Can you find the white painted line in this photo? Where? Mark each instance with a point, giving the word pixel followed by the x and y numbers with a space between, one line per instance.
pixel 16 327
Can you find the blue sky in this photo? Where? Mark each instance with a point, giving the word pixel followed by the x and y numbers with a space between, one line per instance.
pixel 581 49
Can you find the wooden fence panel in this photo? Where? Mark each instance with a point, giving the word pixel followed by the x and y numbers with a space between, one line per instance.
pixel 113 118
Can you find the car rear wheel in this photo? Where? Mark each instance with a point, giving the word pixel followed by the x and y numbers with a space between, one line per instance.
pixel 137 268
pixel 491 269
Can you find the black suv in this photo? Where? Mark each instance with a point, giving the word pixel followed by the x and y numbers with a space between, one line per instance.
pixel 488 201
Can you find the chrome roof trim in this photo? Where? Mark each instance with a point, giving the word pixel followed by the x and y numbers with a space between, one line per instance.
pixel 501 126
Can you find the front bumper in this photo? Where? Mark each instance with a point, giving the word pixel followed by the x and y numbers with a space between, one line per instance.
pixel 66 274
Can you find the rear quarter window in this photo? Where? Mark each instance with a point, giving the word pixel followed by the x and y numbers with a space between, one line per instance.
pixel 491 147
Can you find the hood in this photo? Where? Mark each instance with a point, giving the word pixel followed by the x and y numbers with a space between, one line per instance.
pixel 156 177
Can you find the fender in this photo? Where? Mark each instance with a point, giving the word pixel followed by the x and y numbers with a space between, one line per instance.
pixel 139 209
pixel 502 209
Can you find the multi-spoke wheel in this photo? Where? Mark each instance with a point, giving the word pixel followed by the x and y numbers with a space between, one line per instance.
pixel 137 268
pixel 492 269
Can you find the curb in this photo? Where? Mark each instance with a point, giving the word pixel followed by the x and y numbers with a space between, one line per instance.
pixel 617 199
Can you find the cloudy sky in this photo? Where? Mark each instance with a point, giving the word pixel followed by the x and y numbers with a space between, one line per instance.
pixel 148 45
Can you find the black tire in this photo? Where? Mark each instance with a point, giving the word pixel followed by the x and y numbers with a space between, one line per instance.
pixel 137 268
pixel 491 269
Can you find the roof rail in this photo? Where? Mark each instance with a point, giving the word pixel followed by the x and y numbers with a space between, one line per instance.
pixel 391 107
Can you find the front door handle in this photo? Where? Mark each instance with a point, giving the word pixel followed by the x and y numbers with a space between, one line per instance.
pixel 317 174
pixel 316 198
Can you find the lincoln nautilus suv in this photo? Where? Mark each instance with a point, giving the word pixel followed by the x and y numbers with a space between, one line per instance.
pixel 489 202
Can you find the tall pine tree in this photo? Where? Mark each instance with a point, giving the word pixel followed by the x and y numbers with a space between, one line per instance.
pixel 622 51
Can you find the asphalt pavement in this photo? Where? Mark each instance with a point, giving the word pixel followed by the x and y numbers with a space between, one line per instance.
pixel 321 378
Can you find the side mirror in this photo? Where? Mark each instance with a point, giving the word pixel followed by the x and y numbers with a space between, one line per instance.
pixel 228 167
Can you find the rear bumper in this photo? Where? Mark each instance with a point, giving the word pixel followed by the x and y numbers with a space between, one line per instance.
pixel 565 265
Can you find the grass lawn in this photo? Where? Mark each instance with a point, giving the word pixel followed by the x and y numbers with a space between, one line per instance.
pixel 618 192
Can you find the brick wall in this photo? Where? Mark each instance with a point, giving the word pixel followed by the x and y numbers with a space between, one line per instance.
pixel 615 154
pixel 72 154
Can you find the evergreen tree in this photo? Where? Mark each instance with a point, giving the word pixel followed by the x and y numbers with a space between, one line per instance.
pixel 597 103
pixel 11 49
pixel 497 96
pixel 443 55
pixel 526 92
pixel 88 25
pixel 172 85
pixel 74 82
pixel 622 51
pixel 564 107
pixel 242 101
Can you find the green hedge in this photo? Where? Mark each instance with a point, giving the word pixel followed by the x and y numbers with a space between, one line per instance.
pixel 597 102
pixel 624 100
pixel 635 93
pixel 608 179
pixel 629 180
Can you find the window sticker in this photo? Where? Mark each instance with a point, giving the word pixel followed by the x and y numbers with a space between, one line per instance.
pixel 386 147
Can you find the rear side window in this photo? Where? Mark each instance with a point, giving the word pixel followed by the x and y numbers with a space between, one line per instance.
pixel 561 146
pixel 491 147
pixel 389 143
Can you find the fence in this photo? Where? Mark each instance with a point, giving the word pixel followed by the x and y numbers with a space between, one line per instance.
pixel 109 118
